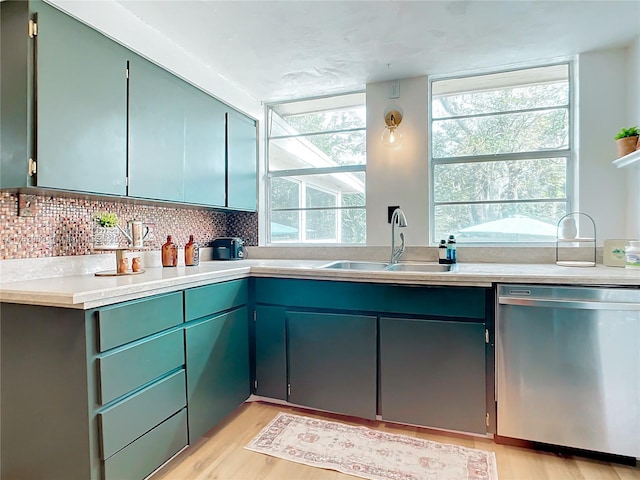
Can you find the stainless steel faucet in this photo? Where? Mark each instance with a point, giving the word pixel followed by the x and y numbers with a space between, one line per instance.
pixel 399 218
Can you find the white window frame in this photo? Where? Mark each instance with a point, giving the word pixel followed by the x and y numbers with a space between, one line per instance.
pixel 269 175
pixel 569 153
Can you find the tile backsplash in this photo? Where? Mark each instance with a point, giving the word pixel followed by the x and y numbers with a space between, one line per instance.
pixel 64 226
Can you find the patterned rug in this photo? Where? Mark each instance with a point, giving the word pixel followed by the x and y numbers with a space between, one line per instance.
pixel 368 453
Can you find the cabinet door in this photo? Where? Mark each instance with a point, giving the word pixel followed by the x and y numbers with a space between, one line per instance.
pixel 81 106
pixel 157 122
pixel 432 373
pixel 242 162
pixel 204 153
pixel 271 352
pixel 332 362
pixel 217 369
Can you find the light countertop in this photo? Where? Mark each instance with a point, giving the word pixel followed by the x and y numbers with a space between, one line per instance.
pixel 89 291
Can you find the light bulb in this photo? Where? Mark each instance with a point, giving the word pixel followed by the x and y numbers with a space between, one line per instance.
pixel 392 137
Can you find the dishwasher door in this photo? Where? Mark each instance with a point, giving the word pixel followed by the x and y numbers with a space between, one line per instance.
pixel 568 366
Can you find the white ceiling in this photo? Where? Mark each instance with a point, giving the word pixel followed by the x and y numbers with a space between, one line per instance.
pixel 292 49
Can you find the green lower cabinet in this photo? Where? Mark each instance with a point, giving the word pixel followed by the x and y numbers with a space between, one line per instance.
pixel 138 459
pixel 333 362
pixel 432 373
pixel 217 355
pixel 271 352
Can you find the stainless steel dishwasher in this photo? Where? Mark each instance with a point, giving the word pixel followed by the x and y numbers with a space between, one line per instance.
pixel 568 366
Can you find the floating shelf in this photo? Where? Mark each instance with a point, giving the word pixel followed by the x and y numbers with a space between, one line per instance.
pixel 628 159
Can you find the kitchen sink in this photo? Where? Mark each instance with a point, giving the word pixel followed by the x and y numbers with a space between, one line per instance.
pixel 349 265
pixel 418 267
pixel 381 267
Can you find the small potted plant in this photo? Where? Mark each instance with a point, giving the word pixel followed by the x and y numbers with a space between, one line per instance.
pixel 627 141
pixel 106 233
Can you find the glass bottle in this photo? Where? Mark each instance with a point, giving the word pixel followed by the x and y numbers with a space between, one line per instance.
pixel 191 253
pixel 442 252
pixel 169 253
pixel 451 249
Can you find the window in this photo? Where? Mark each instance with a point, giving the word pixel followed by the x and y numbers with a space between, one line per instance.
pixel 501 155
pixel 316 170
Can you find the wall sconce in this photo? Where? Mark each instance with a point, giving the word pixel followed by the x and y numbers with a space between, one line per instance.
pixel 392 135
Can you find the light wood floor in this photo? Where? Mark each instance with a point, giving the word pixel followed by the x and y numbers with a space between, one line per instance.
pixel 220 455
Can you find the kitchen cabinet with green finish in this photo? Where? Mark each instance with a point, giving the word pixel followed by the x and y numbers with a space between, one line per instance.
pixel 65 404
pixel 333 362
pixel 432 372
pixel 157 122
pixel 75 129
pixel 270 352
pixel 217 351
pixel 204 149
pixel 434 366
pixel 242 162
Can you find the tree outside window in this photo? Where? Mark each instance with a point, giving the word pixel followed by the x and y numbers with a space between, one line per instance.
pixel 501 155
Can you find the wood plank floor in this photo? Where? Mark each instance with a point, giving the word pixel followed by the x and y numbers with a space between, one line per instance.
pixel 220 454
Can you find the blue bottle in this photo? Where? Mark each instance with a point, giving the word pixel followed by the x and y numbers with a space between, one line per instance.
pixel 451 249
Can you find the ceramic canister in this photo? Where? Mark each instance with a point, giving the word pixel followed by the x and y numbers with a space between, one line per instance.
pixel 632 255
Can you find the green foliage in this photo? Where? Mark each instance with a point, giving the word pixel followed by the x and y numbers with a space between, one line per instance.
pixel 106 219
pixel 627 132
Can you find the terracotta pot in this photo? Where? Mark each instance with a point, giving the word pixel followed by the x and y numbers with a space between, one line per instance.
pixel 626 145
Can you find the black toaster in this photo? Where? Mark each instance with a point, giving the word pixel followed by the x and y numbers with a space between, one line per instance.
pixel 228 248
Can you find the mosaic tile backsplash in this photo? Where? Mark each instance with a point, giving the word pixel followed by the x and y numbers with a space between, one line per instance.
pixel 64 226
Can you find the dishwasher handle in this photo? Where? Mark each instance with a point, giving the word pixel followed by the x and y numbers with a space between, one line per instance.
pixel 575 304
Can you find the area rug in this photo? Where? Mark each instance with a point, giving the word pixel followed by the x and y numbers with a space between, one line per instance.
pixel 368 453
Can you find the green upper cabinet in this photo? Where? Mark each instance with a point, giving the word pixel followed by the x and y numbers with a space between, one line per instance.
pixel 78 133
pixel 157 122
pixel 204 154
pixel 68 105
pixel 242 163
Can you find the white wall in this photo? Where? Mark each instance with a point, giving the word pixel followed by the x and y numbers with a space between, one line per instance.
pixel 398 176
pixel 602 107
pixel 633 118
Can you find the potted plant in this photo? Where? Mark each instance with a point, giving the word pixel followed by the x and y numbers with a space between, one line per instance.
pixel 627 140
pixel 106 233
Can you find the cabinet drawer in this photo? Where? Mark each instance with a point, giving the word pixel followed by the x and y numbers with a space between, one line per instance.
pixel 202 301
pixel 139 413
pixel 125 323
pixel 143 456
pixel 130 368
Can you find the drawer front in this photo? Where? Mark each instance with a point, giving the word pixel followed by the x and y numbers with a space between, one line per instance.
pixel 139 413
pixel 128 369
pixel 143 456
pixel 131 321
pixel 202 301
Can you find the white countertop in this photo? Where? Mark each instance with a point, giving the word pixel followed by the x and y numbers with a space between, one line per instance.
pixel 89 291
